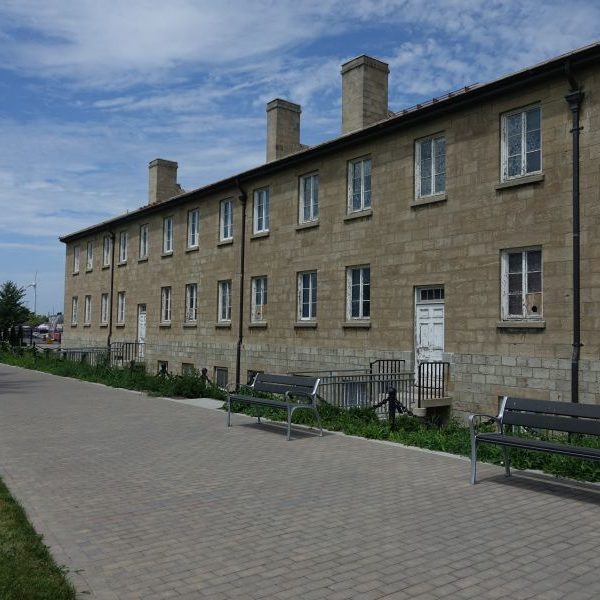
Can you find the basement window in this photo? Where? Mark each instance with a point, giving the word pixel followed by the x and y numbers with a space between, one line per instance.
pixel 522 284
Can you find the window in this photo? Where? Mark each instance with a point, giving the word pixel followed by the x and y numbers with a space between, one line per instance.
pixel 359 185
pixel 123 247
pixel 224 301
pixel 309 198
pixel 188 370
pixel 259 298
pixel 121 307
pixel 163 367
pixel 74 307
pixel 191 302
pixel 143 241
pixel 165 304
pixel 106 251
pixel 167 235
pixel 104 308
pixel 359 292
pixel 430 166
pixel 87 310
pixel 76 259
pixel 89 256
pixel 221 377
pixel 193 228
pixel 307 296
pixel 522 284
pixel 226 220
pixel 261 210
pixel 521 143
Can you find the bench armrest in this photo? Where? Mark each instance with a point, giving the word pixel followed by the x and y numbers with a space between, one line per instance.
pixel 475 418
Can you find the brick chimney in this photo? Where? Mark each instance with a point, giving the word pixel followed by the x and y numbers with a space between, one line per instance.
pixel 162 180
pixel 364 92
pixel 283 129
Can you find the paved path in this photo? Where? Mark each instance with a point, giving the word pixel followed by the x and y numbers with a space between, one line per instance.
pixel 147 498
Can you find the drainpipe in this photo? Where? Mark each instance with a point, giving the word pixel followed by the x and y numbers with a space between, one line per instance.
pixel 243 197
pixel 574 99
pixel 112 286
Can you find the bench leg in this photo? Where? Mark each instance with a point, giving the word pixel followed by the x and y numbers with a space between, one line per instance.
pixel 473 460
pixel 289 428
pixel 319 421
pixel 506 452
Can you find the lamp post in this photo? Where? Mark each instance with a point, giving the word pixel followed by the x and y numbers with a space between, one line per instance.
pixel 34 286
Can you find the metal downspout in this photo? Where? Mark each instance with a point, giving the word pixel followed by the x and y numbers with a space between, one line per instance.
pixel 574 99
pixel 243 197
pixel 112 286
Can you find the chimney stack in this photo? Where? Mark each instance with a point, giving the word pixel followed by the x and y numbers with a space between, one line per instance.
pixel 364 92
pixel 283 129
pixel 162 180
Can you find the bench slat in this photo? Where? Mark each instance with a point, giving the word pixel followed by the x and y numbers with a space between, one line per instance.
pixel 549 421
pixel 567 409
pixel 286 381
pixel 268 401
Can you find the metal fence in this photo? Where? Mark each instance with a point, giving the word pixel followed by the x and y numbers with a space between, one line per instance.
pixel 119 354
pixel 432 381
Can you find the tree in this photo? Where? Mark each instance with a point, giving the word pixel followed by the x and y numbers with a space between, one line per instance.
pixel 12 310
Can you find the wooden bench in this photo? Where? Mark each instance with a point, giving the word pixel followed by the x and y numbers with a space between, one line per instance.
pixel 292 392
pixel 566 417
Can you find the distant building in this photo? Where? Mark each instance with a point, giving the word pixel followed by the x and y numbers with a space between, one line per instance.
pixel 441 232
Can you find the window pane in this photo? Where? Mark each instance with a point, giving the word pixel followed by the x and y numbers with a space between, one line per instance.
pixel 534 260
pixel 514 146
pixel 533 140
pixel 534 162
pixel 514 165
pixel 534 282
pixel 513 125
pixel 515 263
pixel 515 283
pixel 533 119
pixel 440 183
pixel 426 150
pixel 515 305
pixel 425 186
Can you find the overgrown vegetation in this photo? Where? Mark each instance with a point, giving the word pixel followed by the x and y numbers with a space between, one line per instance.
pixel 27 571
pixel 133 377
pixel 452 437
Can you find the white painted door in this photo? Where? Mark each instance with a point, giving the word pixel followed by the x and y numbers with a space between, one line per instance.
pixel 141 336
pixel 429 326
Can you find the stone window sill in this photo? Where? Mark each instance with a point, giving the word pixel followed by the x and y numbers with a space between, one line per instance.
pixel 143 260
pixel 166 254
pixel 427 200
pixel 359 214
pixel 192 249
pixel 305 325
pixel 518 181
pixel 165 325
pixel 103 324
pixel 225 242
pixel 104 267
pixel 259 235
pixel 73 324
pixel 258 325
pixel 190 325
pixel 89 270
pixel 120 325
pixel 357 325
pixel 521 325
pixel 87 324
pixel 122 264
pixel 223 325
pixel 75 273
pixel 307 225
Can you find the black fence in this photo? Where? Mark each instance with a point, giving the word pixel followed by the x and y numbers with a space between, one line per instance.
pixel 119 354
pixel 432 381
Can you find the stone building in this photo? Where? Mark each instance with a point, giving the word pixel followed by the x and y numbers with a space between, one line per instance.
pixel 441 232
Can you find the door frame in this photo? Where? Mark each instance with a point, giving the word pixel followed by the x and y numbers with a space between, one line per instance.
pixel 437 297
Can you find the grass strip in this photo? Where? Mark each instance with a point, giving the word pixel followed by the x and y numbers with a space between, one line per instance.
pixel 27 571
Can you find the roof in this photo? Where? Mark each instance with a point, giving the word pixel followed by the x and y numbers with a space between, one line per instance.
pixel 450 101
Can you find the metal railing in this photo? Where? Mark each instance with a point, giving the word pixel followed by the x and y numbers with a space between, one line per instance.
pixel 119 354
pixel 432 380
pixel 387 365
pixel 122 353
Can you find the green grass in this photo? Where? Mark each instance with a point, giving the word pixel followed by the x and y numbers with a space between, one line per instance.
pixel 452 438
pixel 27 571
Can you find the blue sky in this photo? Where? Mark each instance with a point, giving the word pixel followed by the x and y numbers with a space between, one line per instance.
pixel 93 90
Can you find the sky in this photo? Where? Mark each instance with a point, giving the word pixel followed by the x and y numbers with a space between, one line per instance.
pixel 92 91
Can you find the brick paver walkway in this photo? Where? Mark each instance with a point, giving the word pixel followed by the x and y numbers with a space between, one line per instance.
pixel 147 498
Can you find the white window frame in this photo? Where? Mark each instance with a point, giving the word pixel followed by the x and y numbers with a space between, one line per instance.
pixel 308 205
pixel 87 310
pixel 226 220
pixel 504 143
pixel 365 191
pixel 76 258
pixel 106 248
pixel 362 302
pixel 74 309
pixel 261 210
pixel 104 308
pixel 166 300
pixel 168 235
pixel 526 314
pixel 224 304
pixel 221 373
pixel 310 278
pixel 435 175
pixel 193 229
pixel 191 302
pixel 122 247
pixel 143 249
pixel 121 307
pixel 259 299
pixel 89 256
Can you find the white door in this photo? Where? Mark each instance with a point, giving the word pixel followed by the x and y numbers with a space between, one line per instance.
pixel 429 326
pixel 141 336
